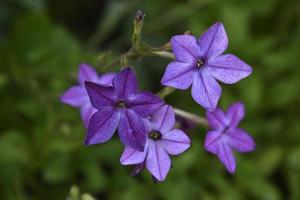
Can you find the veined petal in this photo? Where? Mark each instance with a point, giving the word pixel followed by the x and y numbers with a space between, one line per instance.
pixel 75 96
pixel 102 126
pixel 174 142
pixel 179 75
pixel 131 156
pixel 214 41
pixel 87 73
pixel 132 130
pixel 100 96
pixel 212 140
pixel 158 161
pixel 144 103
pixel 206 91
pixel 235 113
pixel 86 112
pixel 226 156
pixel 240 140
pixel 229 69
pixel 163 119
pixel 185 48
pixel 217 119
pixel 106 79
pixel 125 83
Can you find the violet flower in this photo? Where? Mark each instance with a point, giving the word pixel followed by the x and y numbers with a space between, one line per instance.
pixel 120 106
pixel 225 136
pixel 77 96
pixel 199 63
pixel 162 140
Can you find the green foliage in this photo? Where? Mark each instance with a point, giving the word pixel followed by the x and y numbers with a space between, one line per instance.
pixel 41 140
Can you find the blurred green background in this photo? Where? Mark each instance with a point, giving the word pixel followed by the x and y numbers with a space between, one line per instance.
pixel 41 140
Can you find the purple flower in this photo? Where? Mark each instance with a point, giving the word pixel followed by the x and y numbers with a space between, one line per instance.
pixel 199 63
pixel 225 136
pixel 162 140
pixel 120 106
pixel 77 96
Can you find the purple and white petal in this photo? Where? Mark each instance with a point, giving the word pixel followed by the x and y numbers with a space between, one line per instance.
pixel 75 96
pixel 144 103
pixel 217 119
pixel 229 68
pixel 132 130
pixel 163 119
pixel 214 41
pixel 226 156
pixel 174 142
pixel 235 113
pixel 102 126
pixel 206 91
pixel 86 73
pixel 100 95
pixel 179 75
pixel 240 140
pixel 131 156
pixel 86 112
pixel 185 48
pixel 125 83
pixel 158 161
pixel 212 141
pixel 106 79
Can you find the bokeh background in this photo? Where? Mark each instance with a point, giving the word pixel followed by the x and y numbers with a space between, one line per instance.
pixel 41 140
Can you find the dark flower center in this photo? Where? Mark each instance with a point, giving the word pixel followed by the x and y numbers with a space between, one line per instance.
pixel 154 135
pixel 200 62
pixel 121 104
pixel 225 129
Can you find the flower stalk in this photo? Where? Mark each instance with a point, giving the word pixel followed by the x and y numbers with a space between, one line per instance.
pixel 191 117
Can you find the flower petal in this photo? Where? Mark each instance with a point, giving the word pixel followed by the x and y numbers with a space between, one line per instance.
pixel 206 91
pixel 87 73
pixel 240 140
pixel 106 79
pixel 235 113
pixel 179 75
pixel 75 96
pixel 86 112
pixel 185 48
pixel 144 103
pixel 163 119
pixel 125 83
pixel 217 119
pixel 102 126
pixel 214 41
pixel 132 130
pixel 100 95
pixel 131 156
pixel 226 156
pixel 175 142
pixel 212 140
pixel 229 69
pixel 158 161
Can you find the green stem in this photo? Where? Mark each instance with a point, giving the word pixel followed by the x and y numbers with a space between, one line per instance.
pixel 192 117
pixel 165 92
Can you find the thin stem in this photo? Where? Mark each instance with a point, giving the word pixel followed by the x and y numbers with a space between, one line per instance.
pixel 165 92
pixel 192 117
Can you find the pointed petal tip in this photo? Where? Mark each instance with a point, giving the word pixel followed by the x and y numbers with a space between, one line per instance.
pixel 231 170
pixel 84 65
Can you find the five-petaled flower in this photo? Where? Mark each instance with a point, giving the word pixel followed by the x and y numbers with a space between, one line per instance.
pixel 162 140
pixel 120 106
pixel 77 96
pixel 225 135
pixel 199 63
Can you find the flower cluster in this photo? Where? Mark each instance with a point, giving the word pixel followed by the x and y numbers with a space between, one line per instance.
pixel 146 124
